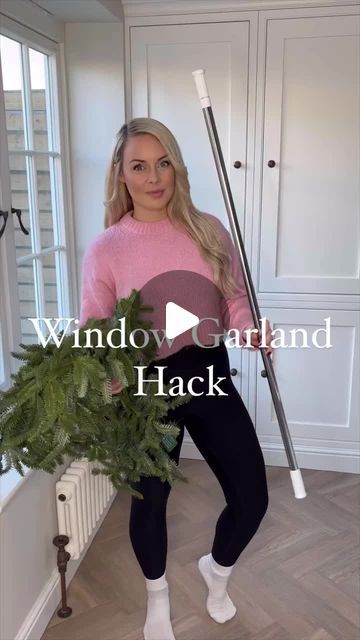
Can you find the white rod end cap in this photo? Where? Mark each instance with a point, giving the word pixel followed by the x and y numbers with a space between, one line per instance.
pixel 199 77
pixel 297 482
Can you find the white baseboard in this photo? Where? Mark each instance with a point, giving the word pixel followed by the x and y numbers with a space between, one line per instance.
pixel 320 458
pixel 49 599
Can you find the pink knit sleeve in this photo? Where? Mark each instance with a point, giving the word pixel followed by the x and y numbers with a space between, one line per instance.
pixel 98 296
pixel 236 307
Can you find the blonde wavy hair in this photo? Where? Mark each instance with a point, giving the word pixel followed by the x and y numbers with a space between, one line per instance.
pixel 181 210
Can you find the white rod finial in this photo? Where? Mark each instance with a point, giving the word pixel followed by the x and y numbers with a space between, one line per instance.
pixel 199 77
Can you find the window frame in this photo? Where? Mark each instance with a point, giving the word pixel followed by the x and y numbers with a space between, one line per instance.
pixel 61 188
pixel 64 232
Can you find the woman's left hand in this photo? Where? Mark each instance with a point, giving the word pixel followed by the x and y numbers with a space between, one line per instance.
pixel 256 338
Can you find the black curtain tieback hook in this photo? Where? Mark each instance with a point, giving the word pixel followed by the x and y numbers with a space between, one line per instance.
pixel 4 215
pixel 18 213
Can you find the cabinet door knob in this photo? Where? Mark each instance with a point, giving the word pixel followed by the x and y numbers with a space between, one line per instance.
pixel 233 371
pixel 271 163
pixel 237 164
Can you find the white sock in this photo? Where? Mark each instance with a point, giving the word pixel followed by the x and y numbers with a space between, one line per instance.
pixel 219 605
pixel 158 624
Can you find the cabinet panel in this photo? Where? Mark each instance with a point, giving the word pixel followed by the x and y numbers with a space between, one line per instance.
pixel 319 385
pixel 162 87
pixel 311 197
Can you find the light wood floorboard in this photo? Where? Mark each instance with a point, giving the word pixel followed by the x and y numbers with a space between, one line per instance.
pixel 298 578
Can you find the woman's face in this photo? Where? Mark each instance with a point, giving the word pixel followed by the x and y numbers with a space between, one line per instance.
pixel 147 168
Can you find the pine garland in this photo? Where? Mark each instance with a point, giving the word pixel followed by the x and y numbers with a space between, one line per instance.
pixel 61 403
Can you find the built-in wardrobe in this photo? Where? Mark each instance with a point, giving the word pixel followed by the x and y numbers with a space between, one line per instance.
pixel 284 86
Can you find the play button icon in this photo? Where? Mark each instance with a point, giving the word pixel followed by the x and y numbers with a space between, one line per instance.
pixel 182 308
pixel 178 320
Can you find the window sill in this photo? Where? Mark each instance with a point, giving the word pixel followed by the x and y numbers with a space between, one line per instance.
pixel 10 483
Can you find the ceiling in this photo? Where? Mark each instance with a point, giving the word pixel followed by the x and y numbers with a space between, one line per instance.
pixel 82 10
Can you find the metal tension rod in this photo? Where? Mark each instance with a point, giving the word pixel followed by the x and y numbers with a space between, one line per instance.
pixel 295 472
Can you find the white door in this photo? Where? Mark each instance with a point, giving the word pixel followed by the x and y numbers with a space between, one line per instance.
pixel 309 238
pixel 161 86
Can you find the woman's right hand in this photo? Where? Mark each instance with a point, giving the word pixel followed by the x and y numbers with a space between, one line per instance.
pixel 116 386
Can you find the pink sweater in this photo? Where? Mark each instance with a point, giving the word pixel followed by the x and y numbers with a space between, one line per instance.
pixel 130 253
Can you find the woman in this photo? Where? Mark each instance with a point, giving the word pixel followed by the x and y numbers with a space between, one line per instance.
pixel 152 228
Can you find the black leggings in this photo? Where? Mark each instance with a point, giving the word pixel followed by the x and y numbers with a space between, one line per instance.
pixel 223 432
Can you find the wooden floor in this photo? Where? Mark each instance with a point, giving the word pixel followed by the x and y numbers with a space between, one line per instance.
pixel 298 578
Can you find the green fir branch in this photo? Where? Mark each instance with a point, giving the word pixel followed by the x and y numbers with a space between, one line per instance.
pixel 61 404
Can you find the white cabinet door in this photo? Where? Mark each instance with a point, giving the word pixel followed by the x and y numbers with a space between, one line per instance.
pixel 319 388
pixel 311 198
pixel 162 87
pixel 309 240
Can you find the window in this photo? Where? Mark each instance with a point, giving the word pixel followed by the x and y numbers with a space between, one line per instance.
pixel 35 233
pixel 38 281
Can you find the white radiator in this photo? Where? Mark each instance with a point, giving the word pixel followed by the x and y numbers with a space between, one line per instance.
pixel 81 498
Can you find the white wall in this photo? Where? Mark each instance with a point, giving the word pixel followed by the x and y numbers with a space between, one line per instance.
pixel 27 555
pixel 95 75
